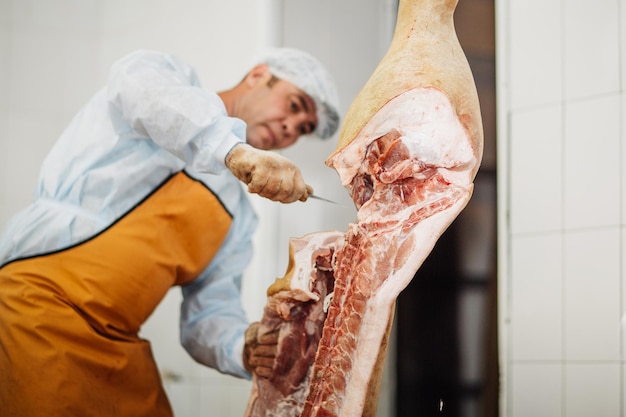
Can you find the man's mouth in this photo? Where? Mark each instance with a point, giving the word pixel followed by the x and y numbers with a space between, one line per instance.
pixel 271 138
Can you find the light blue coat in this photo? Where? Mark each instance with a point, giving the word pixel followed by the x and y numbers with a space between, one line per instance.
pixel 151 120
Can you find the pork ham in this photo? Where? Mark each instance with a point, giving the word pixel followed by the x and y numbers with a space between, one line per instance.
pixel 409 149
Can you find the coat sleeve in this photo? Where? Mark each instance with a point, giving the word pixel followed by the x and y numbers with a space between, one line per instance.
pixel 161 99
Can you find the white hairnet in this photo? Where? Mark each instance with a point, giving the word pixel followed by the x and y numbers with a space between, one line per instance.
pixel 309 75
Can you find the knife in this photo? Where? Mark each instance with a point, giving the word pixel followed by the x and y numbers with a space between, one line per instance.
pixel 316 197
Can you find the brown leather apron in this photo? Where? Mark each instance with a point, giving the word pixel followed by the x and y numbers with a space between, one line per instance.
pixel 69 320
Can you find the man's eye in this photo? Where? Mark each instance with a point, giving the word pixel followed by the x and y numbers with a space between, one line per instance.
pixel 306 128
pixel 295 107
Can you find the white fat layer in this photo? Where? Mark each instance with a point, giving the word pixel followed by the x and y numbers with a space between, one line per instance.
pixel 426 234
pixel 327 301
pixel 304 264
pixel 370 338
pixel 430 129
pixel 374 324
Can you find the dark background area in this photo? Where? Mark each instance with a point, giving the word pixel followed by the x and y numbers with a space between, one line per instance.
pixel 447 352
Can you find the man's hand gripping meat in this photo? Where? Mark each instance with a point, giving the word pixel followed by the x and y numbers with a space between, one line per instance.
pixel 259 352
pixel 268 174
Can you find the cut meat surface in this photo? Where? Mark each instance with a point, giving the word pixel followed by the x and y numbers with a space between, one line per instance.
pixel 408 183
pixel 296 308
pixel 408 152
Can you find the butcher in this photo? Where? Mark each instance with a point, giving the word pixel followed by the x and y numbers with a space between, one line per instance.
pixel 141 192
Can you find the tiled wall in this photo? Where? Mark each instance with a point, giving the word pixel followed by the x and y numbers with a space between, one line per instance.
pixel 562 162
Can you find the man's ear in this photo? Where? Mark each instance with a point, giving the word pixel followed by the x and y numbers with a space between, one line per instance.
pixel 260 74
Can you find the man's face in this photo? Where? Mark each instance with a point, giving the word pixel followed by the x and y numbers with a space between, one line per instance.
pixel 276 112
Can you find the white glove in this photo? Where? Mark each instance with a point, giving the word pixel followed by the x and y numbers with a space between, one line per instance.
pixel 268 174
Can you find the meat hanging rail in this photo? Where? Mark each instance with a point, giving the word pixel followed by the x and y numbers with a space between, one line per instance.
pixel 409 149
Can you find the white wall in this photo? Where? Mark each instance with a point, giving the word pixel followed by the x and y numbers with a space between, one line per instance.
pixel 562 206
pixel 54 54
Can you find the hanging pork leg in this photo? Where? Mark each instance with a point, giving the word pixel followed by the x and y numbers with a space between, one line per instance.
pixel 409 149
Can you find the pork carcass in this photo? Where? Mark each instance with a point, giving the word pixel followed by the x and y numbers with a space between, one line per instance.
pixel 409 149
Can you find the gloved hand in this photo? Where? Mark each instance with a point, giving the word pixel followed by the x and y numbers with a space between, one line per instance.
pixel 259 351
pixel 268 174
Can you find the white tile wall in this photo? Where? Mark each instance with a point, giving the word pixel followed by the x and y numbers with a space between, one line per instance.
pixel 4 54
pixel 592 162
pixel 185 397
pixel 537 390
pixel 227 399
pixel 25 146
pixel 534 56
pixel 561 166
pixel 46 68
pixel 5 12
pixel 52 65
pixel 536 174
pixel 4 101
pixel 622 174
pixel 591 57
pixel 64 15
pixel 623 299
pixel 592 295
pixel 537 298
pixel 592 390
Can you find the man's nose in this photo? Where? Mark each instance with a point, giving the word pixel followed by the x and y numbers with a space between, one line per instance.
pixel 292 124
pixel 290 127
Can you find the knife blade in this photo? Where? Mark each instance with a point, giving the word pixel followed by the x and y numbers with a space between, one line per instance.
pixel 316 197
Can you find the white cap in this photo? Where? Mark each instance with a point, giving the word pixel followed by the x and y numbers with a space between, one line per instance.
pixel 309 75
